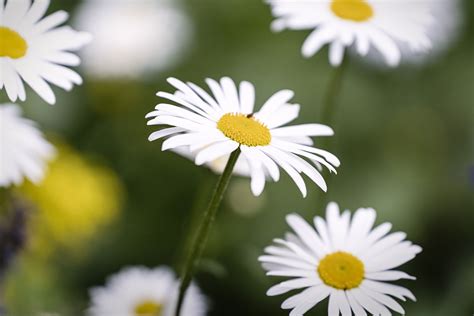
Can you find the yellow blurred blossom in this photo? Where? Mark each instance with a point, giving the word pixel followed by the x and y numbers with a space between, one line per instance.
pixel 75 200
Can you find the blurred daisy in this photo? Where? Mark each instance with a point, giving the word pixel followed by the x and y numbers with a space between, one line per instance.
pixel 139 291
pixel 153 38
pixel 76 199
pixel 343 259
pixel 363 24
pixel 214 126
pixel 24 150
pixel 449 18
pixel 36 49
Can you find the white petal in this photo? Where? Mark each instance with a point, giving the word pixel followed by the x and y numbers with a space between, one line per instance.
pixel 336 53
pixel 274 102
pixel 215 151
pixel 307 234
pixel 303 130
pixel 164 132
pixel 316 40
pixel 388 276
pixel 287 286
pixel 247 97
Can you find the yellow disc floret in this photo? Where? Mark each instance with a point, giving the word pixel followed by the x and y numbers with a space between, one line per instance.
pixel 341 270
pixel 12 44
pixel 148 308
pixel 244 129
pixel 354 10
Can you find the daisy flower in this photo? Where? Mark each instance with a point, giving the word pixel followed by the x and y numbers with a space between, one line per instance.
pixel 36 50
pixel 344 259
pixel 139 291
pixel 24 151
pixel 154 37
pixel 215 126
pixel 362 24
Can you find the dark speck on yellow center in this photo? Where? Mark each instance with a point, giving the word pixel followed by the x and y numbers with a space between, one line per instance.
pixel 148 308
pixel 341 270
pixel 244 129
pixel 12 44
pixel 354 10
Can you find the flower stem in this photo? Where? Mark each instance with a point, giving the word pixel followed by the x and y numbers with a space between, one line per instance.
pixel 329 108
pixel 328 114
pixel 199 243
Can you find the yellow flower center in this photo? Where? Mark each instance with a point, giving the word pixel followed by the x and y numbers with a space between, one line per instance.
pixel 354 10
pixel 244 129
pixel 148 308
pixel 12 44
pixel 341 270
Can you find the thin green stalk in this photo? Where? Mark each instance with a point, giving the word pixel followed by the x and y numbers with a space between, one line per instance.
pixel 204 228
pixel 200 202
pixel 328 114
pixel 329 108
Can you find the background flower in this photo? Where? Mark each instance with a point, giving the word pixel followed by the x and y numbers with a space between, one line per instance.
pixel 37 50
pixel 366 25
pixel 24 150
pixel 77 198
pixel 139 291
pixel 133 38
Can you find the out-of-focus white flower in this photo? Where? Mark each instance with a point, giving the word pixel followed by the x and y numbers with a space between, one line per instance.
pixel 139 291
pixel 36 50
pixel 133 37
pixel 215 126
pixel 344 259
pixel 23 150
pixel 447 29
pixel 363 24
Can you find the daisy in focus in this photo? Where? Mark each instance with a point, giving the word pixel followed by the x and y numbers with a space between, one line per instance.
pixel 37 50
pixel 344 259
pixel 24 152
pixel 154 37
pixel 214 126
pixel 139 291
pixel 361 24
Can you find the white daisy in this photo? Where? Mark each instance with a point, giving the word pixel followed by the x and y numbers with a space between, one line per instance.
pixel 343 259
pixel 214 126
pixel 23 150
pixel 154 37
pixel 139 291
pixel 36 50
pixel 363 24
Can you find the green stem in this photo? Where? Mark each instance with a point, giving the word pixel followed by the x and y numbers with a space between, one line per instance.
pixel 329 108
pixel 204 228
pixel 328 114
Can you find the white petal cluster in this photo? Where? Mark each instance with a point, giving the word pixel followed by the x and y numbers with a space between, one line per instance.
pixel 24 152
pixel 49 50
pixel 390 25
pixel 193 124
pixel 298 257
pixel 133 286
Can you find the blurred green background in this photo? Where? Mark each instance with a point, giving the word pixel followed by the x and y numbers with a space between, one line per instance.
pixel 404 136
